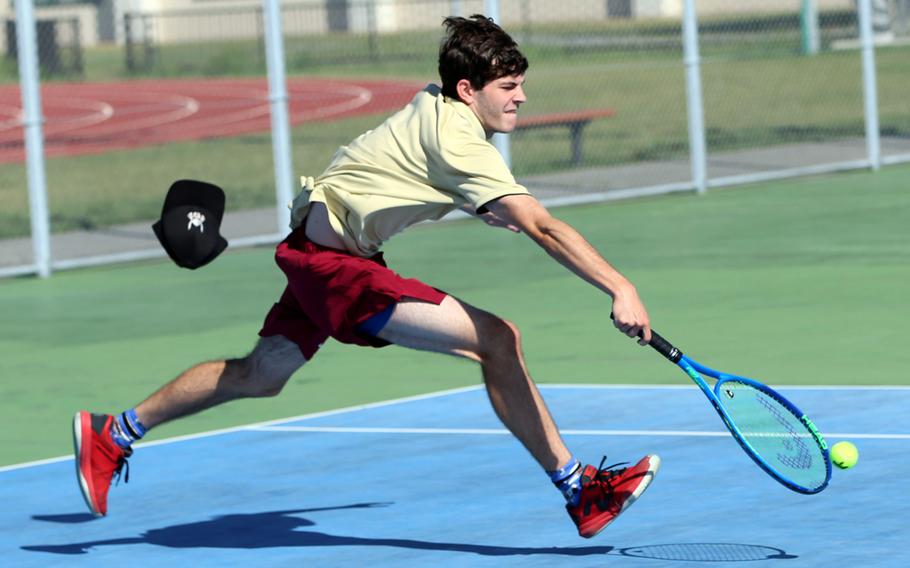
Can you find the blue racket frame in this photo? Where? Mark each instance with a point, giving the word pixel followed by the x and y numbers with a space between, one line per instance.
pixel 695 370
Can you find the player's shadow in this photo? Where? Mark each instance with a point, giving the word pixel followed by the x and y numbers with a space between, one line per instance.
pixel 274 529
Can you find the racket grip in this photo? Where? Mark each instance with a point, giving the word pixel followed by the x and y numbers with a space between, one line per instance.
pixel 662 346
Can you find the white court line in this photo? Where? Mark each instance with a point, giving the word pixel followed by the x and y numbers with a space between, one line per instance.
pixel 502 431
pixel 248 427
pixel 355 408
pixel 685 386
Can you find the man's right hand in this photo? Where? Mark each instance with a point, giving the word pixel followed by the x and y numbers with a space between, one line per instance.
pixel 631 317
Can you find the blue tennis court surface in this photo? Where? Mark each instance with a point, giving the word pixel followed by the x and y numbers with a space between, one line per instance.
pixel 436 481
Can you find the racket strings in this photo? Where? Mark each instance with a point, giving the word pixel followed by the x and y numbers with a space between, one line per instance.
pixel 774 433
pixel 802 459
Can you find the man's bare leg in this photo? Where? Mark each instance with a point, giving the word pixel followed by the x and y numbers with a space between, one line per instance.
pixel 460 329
pixel 264 372
pixel 102 445
pixel 594 497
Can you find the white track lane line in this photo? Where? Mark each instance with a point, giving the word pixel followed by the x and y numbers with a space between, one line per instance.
pixel 99 111
pixel 15 114
pixel 184 107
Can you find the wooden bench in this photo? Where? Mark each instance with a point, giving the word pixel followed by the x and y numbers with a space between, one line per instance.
pixel 574 121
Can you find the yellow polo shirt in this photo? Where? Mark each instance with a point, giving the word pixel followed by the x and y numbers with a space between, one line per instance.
pixel 424 161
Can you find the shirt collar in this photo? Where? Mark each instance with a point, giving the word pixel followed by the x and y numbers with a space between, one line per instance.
pixel 461 109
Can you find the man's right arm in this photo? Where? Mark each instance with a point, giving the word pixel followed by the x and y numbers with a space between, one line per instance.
pixel 569 248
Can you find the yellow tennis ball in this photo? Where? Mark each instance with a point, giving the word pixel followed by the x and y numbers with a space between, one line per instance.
pixel 844 455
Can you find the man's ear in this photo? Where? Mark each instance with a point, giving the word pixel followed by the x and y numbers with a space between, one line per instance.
pixel 465 91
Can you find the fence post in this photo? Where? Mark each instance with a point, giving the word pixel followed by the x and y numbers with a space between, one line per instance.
pixel 870 93
pixel 372 31
pixel 147 42
pixel 500 140
pixel 260 36
pixel 698 154
pixel 78 64
pixel 128 42
pixel 808 17
pixel 278 101
pixel 34 137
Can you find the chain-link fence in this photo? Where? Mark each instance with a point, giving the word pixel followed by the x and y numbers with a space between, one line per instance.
pixel 59 47
pixel 772 100
pixel 892 39
pixel 607 115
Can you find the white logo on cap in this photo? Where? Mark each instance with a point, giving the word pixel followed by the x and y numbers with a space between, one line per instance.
pixel 196 220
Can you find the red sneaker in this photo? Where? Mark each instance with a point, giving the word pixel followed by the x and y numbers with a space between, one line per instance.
pixel 608 491
pixel 98 458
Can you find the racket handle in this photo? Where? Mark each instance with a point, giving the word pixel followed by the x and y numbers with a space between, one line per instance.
pixel 662 346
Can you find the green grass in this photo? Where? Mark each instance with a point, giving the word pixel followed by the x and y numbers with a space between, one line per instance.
pixel 799 282
pixel 758 92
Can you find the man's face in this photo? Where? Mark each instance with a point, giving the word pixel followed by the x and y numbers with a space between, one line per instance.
pixel 496 105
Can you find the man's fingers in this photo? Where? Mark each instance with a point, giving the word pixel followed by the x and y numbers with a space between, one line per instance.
pixel 645 336
pixel 640 332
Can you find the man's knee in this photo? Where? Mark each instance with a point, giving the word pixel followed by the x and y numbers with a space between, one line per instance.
pixel 266 370
pixel 499 338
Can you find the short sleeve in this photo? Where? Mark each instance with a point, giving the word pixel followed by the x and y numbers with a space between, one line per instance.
pixel 470 165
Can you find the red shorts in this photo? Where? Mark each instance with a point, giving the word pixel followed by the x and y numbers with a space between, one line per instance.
pixel 330 293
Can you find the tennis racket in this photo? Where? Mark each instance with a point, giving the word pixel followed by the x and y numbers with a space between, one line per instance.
pixel 771 429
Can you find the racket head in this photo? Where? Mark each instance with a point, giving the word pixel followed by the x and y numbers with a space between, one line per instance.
pixel 772 431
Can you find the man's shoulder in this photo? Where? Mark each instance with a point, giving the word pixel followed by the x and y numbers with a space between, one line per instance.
pixel 431 101
pixel 439 121
pixel 427 98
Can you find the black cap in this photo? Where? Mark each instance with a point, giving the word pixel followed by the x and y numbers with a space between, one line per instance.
pixel 190 221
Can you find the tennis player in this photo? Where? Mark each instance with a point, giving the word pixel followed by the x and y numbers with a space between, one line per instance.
pixel 428 159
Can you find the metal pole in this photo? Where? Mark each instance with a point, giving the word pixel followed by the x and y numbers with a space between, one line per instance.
pixel 809 27
pixel 34 137
pixel 278 100
pixel 697 146
pixel 500 140
pixel 870 94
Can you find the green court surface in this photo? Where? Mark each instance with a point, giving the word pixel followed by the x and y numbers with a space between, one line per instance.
pixel 796 282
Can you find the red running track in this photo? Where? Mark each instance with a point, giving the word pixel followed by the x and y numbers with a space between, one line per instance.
pixel 88 118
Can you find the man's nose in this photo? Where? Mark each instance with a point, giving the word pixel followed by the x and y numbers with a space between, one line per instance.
pixel 520 96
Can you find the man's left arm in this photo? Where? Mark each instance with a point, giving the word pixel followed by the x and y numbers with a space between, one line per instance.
pixel 562 242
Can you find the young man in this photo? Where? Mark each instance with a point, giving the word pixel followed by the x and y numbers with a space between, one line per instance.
pixel 423 162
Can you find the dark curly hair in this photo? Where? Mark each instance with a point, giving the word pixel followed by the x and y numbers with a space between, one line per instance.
pixel 478 50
